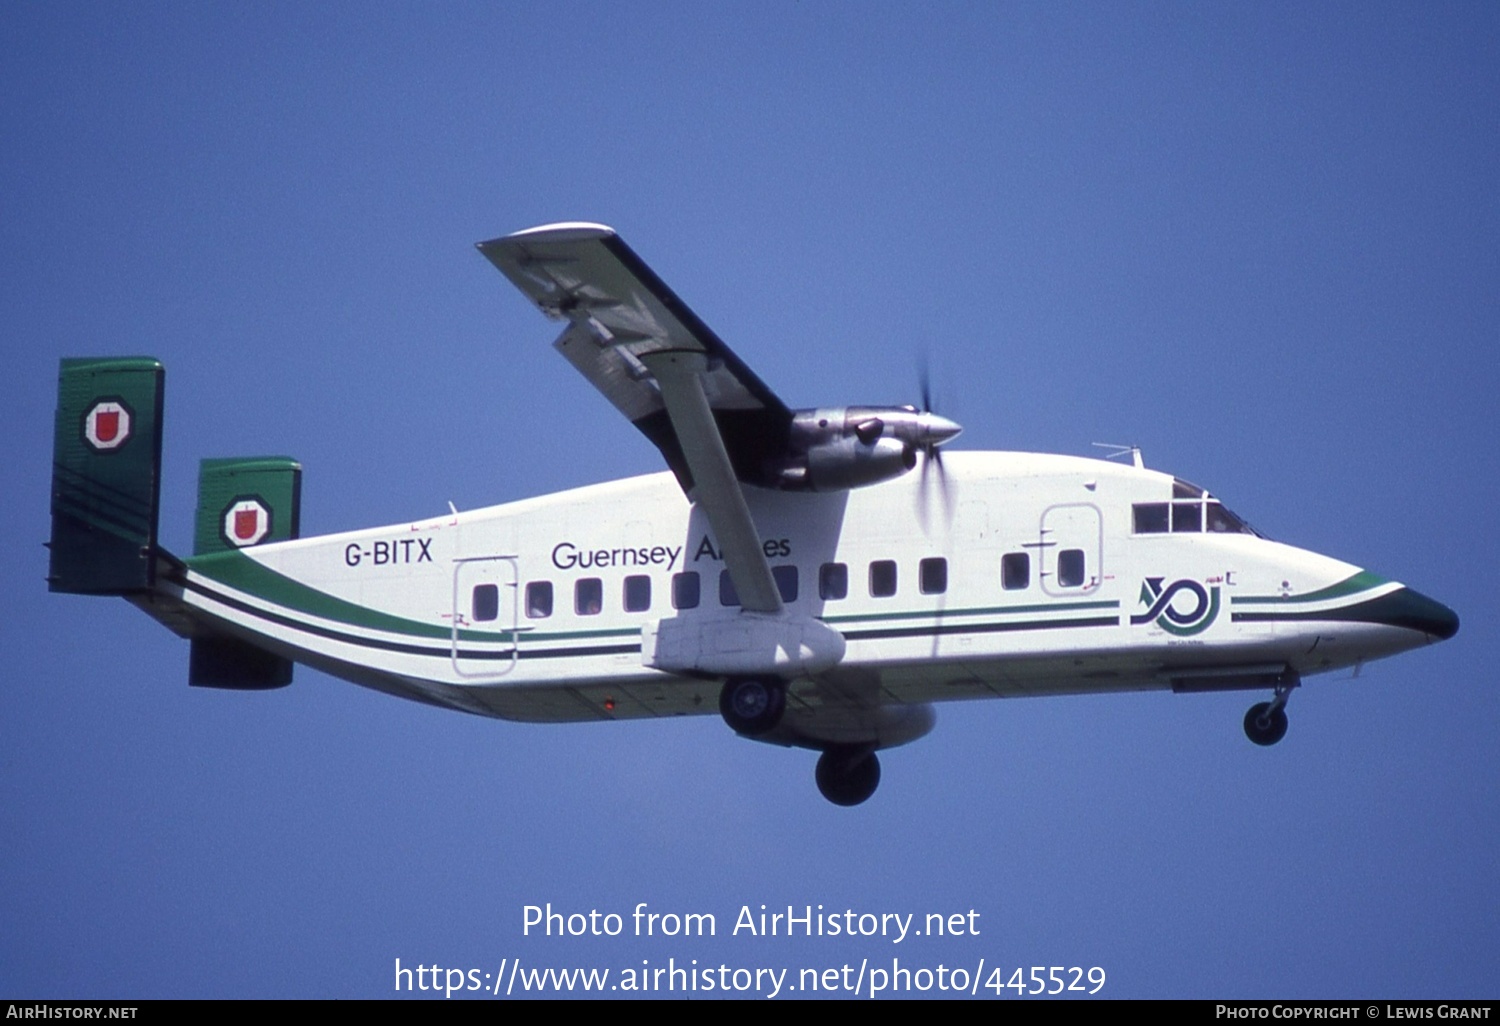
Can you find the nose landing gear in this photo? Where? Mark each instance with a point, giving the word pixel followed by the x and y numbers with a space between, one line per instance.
pixel 1265 723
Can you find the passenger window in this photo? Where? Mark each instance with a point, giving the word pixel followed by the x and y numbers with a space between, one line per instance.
pixel 883 578
pixel 728 596
pixel 588 596
pixel 637 593
pixel 486 602
pixel 833 581
pixel 1070 569
pixel 1015 571
pixel 539 599
pixel 932 576
pixel 1187 517
pixel 786 582
pixel 1151 518
pixel 685 590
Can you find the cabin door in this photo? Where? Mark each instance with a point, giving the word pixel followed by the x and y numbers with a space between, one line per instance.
pixel 484 616
pixel 1072 549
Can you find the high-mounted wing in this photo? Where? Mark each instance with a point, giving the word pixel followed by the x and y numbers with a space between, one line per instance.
pixel 619 314
pixel 715 422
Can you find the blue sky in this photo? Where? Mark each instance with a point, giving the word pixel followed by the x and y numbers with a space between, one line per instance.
pixel 1257 240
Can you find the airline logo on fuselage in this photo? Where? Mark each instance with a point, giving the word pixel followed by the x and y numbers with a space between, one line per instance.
pixel 1183 617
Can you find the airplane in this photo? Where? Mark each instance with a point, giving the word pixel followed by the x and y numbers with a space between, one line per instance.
pixel 790 570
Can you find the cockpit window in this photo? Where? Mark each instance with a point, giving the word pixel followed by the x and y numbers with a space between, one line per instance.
pixel 1191 511
pixel 1151 518
pixel 1187 517
pixel 1221 521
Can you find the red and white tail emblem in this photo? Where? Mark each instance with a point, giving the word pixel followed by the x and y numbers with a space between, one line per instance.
pixel 246 522
pixel 107 425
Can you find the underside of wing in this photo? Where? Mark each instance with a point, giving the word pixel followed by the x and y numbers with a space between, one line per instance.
pixel 620 315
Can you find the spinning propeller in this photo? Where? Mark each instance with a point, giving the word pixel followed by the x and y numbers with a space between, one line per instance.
pixel 932 431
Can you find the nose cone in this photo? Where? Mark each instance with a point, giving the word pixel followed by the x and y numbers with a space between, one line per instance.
pixel 936 430
pixel 1415 611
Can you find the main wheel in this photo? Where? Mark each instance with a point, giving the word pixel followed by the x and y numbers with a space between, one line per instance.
pixel 847 776
pixel 1263 726
pixel 752 705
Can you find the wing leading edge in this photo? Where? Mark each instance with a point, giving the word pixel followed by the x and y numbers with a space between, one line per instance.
pixel 620 314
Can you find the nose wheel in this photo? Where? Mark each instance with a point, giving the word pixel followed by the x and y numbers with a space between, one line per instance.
pixel 752 705
pixel 1265 723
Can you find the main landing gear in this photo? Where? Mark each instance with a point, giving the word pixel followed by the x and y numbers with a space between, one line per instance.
pixel 1265 723
pixel 752 706
pixel 848 774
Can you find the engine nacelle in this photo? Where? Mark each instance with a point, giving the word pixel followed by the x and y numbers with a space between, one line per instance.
pixel 845 463
pixel 832 450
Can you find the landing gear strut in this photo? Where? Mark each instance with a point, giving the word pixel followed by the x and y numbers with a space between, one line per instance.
pixel 1265 723
pixel 752 705
pixel 848 774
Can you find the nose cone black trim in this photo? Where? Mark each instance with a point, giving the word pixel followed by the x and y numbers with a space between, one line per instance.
pixel 1401 608
pixel 1408 608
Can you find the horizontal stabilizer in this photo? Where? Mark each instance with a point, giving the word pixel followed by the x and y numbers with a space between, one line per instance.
pixel 217 661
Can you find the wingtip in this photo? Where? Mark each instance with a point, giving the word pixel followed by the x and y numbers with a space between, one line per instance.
pixel 565 230
pixel 562 231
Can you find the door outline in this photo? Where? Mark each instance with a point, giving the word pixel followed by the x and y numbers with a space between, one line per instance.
pixel 505 573
pixel 1071 525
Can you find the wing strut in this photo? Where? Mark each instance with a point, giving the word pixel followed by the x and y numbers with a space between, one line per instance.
pixel 716 489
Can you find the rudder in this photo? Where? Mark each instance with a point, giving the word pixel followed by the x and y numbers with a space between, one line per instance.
pixel 243 502
pixel 106 476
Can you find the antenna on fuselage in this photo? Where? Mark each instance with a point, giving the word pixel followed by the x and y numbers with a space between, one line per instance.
pixel 1121 450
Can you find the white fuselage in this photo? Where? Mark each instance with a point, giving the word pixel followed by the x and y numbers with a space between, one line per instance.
pixel 1028 575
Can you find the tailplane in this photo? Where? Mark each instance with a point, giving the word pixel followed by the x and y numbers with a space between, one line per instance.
pixel 106 488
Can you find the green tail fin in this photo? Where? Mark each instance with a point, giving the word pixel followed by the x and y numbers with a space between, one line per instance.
pixel 106 476
pixel 247 501
pixel 243 503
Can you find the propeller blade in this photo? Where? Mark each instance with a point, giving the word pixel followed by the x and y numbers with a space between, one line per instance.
pixel 934 431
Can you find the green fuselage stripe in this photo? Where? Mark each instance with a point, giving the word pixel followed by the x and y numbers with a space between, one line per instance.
pixel 944 614
pixel 237 571
pixel 1362 581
